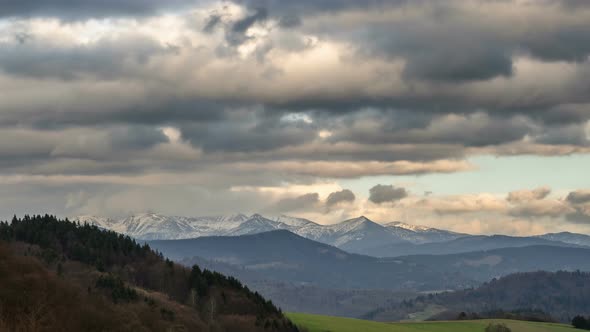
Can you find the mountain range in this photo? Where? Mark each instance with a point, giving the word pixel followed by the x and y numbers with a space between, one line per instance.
pixel 302 265
pixel 359 235
pixel 284 256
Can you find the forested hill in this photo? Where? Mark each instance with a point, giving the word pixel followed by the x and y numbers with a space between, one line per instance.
pixel 561 294
pixel 103 272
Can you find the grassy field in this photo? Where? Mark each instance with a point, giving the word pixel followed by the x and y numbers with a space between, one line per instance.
pixel 317 323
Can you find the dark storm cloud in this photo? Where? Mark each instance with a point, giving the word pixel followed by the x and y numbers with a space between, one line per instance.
pixel 572 134
pixel 340 197
pixel 386 193
pixel 80 9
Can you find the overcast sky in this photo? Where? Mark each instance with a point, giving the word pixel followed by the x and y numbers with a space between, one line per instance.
pixel 472 115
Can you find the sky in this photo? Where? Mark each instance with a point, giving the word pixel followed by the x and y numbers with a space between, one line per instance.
pixel 469 115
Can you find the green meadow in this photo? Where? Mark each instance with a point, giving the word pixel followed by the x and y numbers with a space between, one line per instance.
pixel 318 323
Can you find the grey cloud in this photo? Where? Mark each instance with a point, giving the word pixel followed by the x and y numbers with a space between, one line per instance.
pixel 303 202
pixel 571 134
pixel 578 197
pixel 81 9
pixel 458 67
pixel 386 193
pixel 434 52
pixel 290 21
pixel 212 22
pixel 248 134
pixel 245 23
pixel 579 217
pixel 528 195
pixel 311 7
pixel 478 129
pixel 340 197
pixel 108 58
pixel 137 137
pixel 236 35
pixel 545 208
pixel 447 42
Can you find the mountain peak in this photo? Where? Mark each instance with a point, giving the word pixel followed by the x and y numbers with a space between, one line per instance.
pixel 359 220
pixel 257 216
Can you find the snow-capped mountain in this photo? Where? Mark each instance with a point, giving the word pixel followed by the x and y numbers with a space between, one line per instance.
pixel 353 235
pixel 422 234
pixel 358 233
pixel 292 221
pixel 151 226
pixel 257 224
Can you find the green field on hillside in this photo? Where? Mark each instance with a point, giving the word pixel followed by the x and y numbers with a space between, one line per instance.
pixel 318 323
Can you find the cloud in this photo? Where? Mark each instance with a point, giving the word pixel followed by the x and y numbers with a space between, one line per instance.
pixel 263 93
pixel 386 193
pixel 81 9
pixel 578 197
pixel 303 202
pixel 356 169
pixel 541 208
pixel 580 215
pixel 462 204
pixel 340 197
pixel 521 196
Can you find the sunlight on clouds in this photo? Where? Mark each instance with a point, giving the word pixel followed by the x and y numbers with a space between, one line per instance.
pixel 172 133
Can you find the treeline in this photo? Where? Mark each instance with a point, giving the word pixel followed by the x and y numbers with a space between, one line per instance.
pixel 581 322
pixel 122 260
pixel 518 314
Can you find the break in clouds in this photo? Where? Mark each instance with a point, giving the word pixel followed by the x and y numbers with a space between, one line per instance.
pixel 199 107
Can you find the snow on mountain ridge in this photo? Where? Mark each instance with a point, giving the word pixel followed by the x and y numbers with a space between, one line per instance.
pixel 415 228
pixel 351 234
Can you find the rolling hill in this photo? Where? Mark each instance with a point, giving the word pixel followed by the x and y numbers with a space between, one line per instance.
pixel 462 245
pixel 561 295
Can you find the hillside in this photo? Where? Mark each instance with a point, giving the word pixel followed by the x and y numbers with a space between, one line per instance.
pixel 562 295
pixel 317 323
pixel 53 270
pixel 284 256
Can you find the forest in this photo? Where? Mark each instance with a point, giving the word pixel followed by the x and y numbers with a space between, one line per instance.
pixel 92 265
